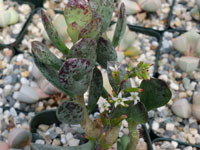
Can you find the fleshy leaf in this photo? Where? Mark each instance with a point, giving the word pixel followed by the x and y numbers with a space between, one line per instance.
pixel 135 113
pixel 78 11
pixel 138 113
pixel 121 26
pixel 105 52
pixel 122 73
pixel 84 48
pixel 45 55
pixel 104 8
pixel 156 93
pixel 91 30
pixel 87 146
pixel 51 75
pixel 53 34
pixel 73 31
pixel 77 14
pixel 96 88
pixel 123 143
pixel 75 75
pixel 70 112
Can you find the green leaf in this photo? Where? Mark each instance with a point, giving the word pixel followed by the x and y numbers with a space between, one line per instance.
pixel 156 93
pixel 135 113
pixel 45 55
pixel 91 30
pixel 121 26
pixel 70 112
pixel 104 9
pixel 87 146
pixel 84 48
pixel 51 75
pixel 105 52
pixel 53 34
pixel 73 31
pixel 96 88
pixel 123 143
pixel 76 74
pixel 77 14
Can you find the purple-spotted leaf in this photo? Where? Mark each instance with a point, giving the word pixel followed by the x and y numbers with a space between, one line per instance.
pixel 45 55
pixel 96 88
pixel 91 30
pixel 115 83
pixel 70 112
pixel 76 74
pixel 121 26
pixel 105 52
pixel 104 9
pixel 53 34
pixel 51 75
pixel 78 14
pixel 78 11
pixel 156 93
pixel 84 48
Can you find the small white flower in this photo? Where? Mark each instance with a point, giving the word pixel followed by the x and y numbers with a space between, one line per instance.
pixel 114 68
pixel 134 97
pixel 103 105
pixel 119 100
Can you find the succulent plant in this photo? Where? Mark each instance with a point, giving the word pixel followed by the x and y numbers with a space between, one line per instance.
pixel 7 17
pixel 189 45
pixel 195 12
pixel 134 7
pixel 77 71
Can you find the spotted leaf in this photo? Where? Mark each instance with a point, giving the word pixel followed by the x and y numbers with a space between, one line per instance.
pixel 121 26
pixel 70 112
pixel 91 30
pixel 45 55
pixel 77 14
pixel 53 34
pixel 105 52
pixel 96 88
pixel 104 8
pixel 51 75
pixel 75 75
pixel 84 48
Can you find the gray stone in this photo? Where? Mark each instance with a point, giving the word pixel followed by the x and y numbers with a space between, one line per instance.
pixel 196 111
pixel 186 83
pixel 182 108
pixel 3 124
pixel 7 80
pixel 27 95
pixel 188 63
pixel 196 99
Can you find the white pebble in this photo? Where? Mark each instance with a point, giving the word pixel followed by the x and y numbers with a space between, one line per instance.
pixel 69 136
pixel 155 125
pixel 73 142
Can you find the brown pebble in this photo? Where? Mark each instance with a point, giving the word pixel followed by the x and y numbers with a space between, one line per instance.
pixel 25 74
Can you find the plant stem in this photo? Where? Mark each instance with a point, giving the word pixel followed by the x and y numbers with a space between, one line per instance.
pixel 133 134
pixel 90 127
